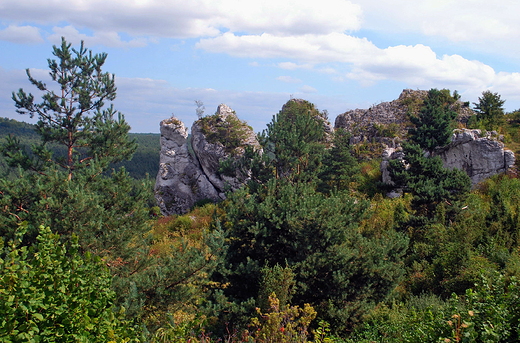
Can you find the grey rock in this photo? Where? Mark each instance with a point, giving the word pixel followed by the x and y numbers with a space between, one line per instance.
pixel 366 124
pixel 479 155
pixel 186 177
pixel 180 182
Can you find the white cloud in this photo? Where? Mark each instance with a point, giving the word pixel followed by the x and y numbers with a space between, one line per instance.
pixel 21 34
pixel 288 79
pixel 417 65
pixel 196 18
pixel 110 39
pixel 479 24
pixel 310 49
pixel 289 17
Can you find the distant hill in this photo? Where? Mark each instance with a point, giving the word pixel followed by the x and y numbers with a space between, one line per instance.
pixel 145 160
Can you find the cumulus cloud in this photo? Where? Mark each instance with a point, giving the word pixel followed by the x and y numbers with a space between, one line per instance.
pixel 21 34
pixel 310 48
pixel 196 18
pixel 416 65
pixel 110 39
pixel 477 23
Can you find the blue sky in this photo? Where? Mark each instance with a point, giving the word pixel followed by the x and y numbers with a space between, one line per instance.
pixel 256 55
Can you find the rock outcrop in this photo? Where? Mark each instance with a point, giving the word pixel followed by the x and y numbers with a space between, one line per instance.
pixel 386 121
pixel 479 155
pixel 189 165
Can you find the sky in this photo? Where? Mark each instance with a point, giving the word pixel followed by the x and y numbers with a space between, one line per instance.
pixel 256 55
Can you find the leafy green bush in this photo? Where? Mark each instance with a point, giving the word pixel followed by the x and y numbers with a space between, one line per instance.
pixel 52 293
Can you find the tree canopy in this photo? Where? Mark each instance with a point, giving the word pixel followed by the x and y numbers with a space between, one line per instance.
pixel 73 114
pixel 434 124
pixel 490 110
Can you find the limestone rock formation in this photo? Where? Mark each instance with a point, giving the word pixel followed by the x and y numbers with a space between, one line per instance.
pixel 386 121
pixel 190 175
pixel 479 155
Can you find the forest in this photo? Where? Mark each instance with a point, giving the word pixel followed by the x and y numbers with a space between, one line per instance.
pixel 309 250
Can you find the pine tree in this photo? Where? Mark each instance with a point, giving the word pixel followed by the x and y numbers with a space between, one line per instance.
pixel 75 116
pixel 434 125
pixel 490 110
pixel 295 141
pixel 427 179
pixel 75 193
pixel 337 269
pixel 340 167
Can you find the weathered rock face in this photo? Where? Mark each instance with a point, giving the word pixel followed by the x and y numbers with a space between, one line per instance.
pixel 388 120
pixel 187 177
pixel 479 155
pixel 180 182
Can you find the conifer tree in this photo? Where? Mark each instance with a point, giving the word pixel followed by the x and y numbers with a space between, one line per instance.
pixel 490 110
pixel 422 173
pixel 427 179
pixel 73 114
pixel 337 269
pixel 295 141
pixel 434 125
pixel 73 193
pixel 340 167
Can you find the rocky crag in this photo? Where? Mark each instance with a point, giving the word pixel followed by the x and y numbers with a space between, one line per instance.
pixel 480 155
pixel 386 122
pixel 189 165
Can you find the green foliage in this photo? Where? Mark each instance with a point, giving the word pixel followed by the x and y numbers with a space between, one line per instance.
pixel 486 312
pixel 282 324
pixel 75 117
pixel 295 141
pixel 145 160
pixel 434 123
pixel 427 179
pixel 421 319
pixel 276 280
pixel 490 111
pixel 105 212
pixel 340 168
pixel 50 292
pixel 229 131
pixel 337 269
